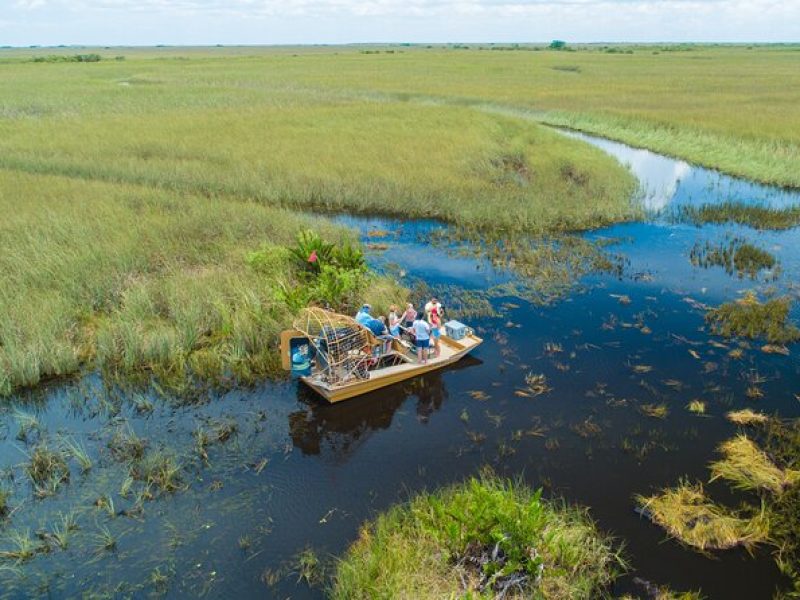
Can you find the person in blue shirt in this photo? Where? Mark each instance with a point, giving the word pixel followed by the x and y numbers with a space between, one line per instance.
pixel 362 316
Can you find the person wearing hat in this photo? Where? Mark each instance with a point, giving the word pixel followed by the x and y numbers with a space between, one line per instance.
pixel 362 316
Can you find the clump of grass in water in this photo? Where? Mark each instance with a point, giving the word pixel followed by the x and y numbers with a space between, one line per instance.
pixel 697 407
pixel 749 468
pixel 687 514
pixel 657 411
pixel 485 536
pixel 748 317
pixel 758 217
pixel 126 446
pixel 736 256
pixel 309 567
pixel 5 508
pixel 159 471
pixel 746 417
pixel 21 547
pixel 47 470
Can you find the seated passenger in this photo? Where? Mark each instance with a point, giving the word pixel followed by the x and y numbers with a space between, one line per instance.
pixel 363 316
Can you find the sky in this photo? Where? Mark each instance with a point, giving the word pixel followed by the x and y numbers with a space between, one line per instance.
pixel 205 22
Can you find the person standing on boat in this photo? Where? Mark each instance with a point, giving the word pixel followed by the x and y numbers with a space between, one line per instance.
pixel 430 306
pixel 409 316
pixel 422 335
pixel 394 321
pixel 436 330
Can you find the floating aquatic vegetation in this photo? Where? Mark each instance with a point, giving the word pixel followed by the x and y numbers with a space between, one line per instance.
pixel 674 384
pixel 687 514
pixel 641 369
pixel 748 467
pixel 754 392
pixel 20 547
pixel 552 443
pixel 478 395
pixel 658 411
pixel 47 470
pixel 748 317
pixel 5 508
pixel 160 471
pixel 126 446
pixel 551 348
pixel 694 354
pixel 759 217
pixel 495 419
pixel 775 349
pixel 746 417
pixel 27 424
pixel 697 406
pixel 586 428
pixel 736 353
pixel 309 568
pixel 735 255
pixel 78 451
pixel 476 437
pixel 536 385
pixel 623 299
pixel 464 416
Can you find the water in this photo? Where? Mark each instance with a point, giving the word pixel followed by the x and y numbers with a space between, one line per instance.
pixel 303 474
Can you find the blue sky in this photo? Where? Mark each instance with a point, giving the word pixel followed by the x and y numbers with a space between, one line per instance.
pixel 148 22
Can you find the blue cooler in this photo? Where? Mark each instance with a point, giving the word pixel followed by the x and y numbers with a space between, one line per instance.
pixel 456 330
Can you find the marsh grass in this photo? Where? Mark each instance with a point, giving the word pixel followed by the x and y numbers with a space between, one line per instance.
pixel 748 467
pixel 136 280
pixel 656 411
pixel 748 317
pixel 20 547
pixel 160 471
pixel 5 506
pixel 697 407
pixel 687 514
pixel 126 446
pixel 480 537
pixel 758 217
pixel 79 452
pixel 47 469
pixel 747 416
pixel 735 256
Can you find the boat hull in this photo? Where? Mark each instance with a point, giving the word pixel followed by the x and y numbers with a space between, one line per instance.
pixel 452 351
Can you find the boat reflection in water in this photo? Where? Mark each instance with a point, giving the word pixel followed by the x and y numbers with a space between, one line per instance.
pixel 339 429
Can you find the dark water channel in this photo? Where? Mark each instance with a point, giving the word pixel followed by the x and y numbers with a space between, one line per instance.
pixel 302 474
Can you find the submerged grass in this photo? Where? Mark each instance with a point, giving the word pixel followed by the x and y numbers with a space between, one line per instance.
pixel 687 514
pixel 751 318
pixel 481 538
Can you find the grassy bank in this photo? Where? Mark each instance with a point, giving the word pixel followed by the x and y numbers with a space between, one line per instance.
pixel 138 279
pixel 369 157
pixel 479 539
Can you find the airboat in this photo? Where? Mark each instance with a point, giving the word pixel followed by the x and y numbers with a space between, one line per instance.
pixel 340 359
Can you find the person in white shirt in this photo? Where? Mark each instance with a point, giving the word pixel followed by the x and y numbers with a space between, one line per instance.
pixel 422 335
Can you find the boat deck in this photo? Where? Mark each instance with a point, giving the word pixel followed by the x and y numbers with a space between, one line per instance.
pixel 450 351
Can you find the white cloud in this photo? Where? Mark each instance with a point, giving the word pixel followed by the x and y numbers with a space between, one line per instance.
pixel 334 21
